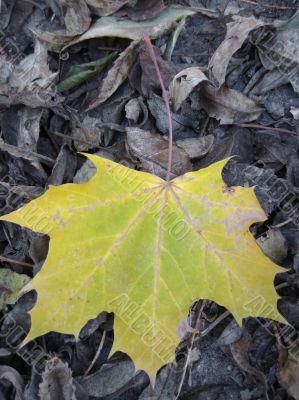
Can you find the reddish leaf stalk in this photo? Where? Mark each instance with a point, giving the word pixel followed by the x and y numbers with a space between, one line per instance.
pixel 268 128
pixel 152 53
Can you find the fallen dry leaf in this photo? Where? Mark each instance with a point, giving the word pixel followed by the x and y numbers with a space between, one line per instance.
pixel 11 375
pixel 33 71
pixel 128 29
pixel 116 75
pixel 197 147
pixel 152 150
pixel 38 98
pixel 183 84
pixel 288 374
pixel 76 21
pixel 31 82
pixel 144 9
pixel 107 7
pixel 279 49
pixel 57 381
pixel 148 77
pixel 226 105
pixel 237 33
pixel 295 112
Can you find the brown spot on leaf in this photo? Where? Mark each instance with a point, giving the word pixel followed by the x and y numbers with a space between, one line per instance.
pixel 227 189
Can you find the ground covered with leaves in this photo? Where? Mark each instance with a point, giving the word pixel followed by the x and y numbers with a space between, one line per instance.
pixel 76 76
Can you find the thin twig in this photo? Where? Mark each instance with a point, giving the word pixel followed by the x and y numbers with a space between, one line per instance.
pixel 270 5
pixel 166 100
pixel 11 261
pixel 217 321
pixel 288 221
pixel 268 128
pixel 189 351
pixel 96 355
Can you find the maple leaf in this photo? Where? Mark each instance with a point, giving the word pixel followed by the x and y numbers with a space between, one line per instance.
pixel 131 243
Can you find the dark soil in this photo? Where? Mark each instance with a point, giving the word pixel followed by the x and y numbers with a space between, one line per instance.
pixel 226 362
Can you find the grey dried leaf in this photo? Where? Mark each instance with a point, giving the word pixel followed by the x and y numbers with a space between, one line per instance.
pixel 197 147
pixel 87 134
pixel 107 7
pixel 295 112
pixel 110 378
pixel 54 41
pixel 6 68
pixel 30 83
pixel 149 81
pixel 152 151
pixel 288 375
pixel 23 153
pixel 57 381
pixel 39 247
pixel 116 75
pixel 238 143
pixel 279 49
pixel 6 7
pixel 165 387
pixel 76 21
pixel 237 33
pixel 228 106
pixel 13 376
pixel 183 84
pixel 64 167
pixel 29 128
pixel 240 352
pixel 144 9
pixel 182 125
pixel 231 334
pixel 77 17
pixel 34 99
pixel 271 80
pixel 33 71
pixel 133 110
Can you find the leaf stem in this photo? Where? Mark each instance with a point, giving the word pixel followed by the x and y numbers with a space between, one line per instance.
pixel 152 53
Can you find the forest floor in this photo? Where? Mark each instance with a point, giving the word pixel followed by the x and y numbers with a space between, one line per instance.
pixel 58 98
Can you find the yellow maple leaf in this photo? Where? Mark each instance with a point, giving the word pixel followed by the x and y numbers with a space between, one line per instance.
pixel 131 243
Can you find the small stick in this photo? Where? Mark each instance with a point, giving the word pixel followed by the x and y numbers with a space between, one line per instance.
pixel 288 221
pixel 167 104
pixel 270 5
pixel 189 350
pixel 11 261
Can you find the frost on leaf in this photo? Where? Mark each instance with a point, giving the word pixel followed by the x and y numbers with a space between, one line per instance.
pixel 130 243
